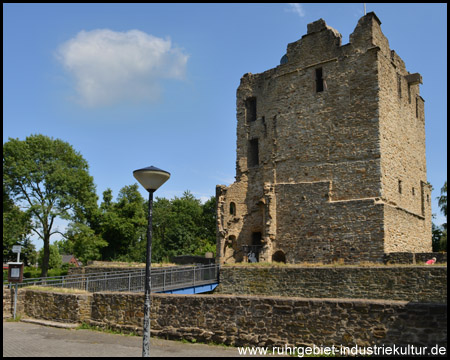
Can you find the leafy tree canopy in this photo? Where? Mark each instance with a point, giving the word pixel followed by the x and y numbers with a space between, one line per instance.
pixel 183 226
pixel 16 229
pixel 55 259
pixel 123 225
pixel 442 201
pixel 48 179
pixel 82 242
pixel 439 233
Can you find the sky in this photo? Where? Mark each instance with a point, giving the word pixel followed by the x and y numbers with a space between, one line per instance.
pixel 135 85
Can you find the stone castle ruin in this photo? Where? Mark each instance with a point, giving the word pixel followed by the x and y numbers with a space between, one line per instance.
pixel 330 155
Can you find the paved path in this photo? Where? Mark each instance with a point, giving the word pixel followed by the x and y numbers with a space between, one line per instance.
pixel 31 340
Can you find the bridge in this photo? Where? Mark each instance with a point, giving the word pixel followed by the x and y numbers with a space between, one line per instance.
pixel 174 280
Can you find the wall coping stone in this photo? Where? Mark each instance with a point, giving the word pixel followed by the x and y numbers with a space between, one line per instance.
pixel 51 323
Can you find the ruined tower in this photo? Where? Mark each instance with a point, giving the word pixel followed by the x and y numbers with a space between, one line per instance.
pixel 330 155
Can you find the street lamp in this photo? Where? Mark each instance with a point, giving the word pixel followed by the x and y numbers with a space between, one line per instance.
pixel 151 178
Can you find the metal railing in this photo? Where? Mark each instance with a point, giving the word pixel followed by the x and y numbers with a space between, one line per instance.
pixel 162 279
pixel 252 252
pixel 71 279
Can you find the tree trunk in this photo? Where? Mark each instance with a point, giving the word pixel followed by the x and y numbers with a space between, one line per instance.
pixel 46 258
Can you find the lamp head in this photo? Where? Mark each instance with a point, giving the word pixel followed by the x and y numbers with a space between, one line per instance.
pixel 151 178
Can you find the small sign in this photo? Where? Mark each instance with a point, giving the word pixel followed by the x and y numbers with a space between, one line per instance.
pixel 15 272
pixel 16 248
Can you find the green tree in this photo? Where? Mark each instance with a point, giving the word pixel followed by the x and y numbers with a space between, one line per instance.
pixel 186 227
pixel 436 236
pixel 28 255
pixel 183 226
pixel 82 242
pixel 123 225
pixel 443 241
pixel 55 258
pixel 50 180
pixel 439 233
pixel 16 229
pixel 442 201
pixel 162 220
pixel 209 219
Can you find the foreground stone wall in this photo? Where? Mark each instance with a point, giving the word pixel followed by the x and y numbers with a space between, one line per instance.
pixel 8 302
pixel 70 308
pixel 122 311
pixel 265 320
pixel 409 283
pixel 252 320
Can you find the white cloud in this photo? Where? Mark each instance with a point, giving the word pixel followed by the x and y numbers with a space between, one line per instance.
pixel 204 199
pixel 296 8
pixel 110 66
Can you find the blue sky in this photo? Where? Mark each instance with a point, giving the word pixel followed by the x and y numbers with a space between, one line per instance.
pixel 134 85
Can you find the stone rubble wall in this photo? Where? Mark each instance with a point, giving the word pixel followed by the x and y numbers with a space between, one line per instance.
pixel 408 283
pixel 327 231
pixel 60 307
pixel 257 320
pixel 265 321
pixel 8 302
pixel 413 258
pixel 309 312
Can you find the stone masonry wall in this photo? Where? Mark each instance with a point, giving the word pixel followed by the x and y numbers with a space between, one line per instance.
pixel 409 283
pixel 403 164
pixel 414 258
pixel 405 231
pixel 327 231
pixel 8 302
pixel 122 311
pixel 61 307
pixel 253 320
pixel 265 320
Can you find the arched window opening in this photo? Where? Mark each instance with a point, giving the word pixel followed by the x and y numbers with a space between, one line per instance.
pixel 232 208
pixel 279 256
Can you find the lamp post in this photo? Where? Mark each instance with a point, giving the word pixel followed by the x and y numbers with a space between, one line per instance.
pixel 151 178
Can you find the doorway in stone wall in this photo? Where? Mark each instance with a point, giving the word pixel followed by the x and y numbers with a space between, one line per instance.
pixel 256 246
